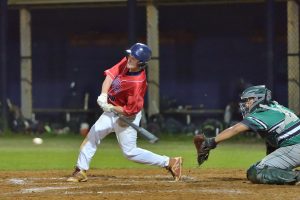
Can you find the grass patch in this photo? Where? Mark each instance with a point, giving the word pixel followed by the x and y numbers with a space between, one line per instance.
pixel 60 152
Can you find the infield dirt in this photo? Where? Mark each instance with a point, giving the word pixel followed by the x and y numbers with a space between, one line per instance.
pixel 141 184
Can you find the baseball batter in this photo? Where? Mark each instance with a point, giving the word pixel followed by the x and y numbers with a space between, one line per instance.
pixel 123 92
pixel 280 128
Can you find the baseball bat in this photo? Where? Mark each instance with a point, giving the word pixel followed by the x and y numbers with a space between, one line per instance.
pixel 149 136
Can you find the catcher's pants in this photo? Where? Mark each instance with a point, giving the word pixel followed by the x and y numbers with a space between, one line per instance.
pixel 107 123
pixel 277 167
pixel 282 158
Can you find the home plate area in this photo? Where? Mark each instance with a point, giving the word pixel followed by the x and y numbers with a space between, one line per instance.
pixel 143 184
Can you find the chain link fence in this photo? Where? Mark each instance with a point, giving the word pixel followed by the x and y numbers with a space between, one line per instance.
pixel 293 55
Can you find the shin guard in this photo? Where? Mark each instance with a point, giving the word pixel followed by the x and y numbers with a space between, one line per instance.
pixel 272 175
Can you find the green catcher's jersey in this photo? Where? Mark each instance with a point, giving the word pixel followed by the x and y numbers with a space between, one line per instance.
pixel 277 124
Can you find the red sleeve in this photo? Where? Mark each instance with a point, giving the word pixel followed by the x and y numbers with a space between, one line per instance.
pixel 117 69
pixel 135 102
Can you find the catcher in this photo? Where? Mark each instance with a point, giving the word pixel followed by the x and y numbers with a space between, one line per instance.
pixel 280 128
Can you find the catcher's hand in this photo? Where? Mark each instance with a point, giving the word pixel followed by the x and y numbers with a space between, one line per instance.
pixel 203 146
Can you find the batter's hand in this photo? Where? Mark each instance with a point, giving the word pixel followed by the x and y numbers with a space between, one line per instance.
pixel 203 146
pixel 102 99
pixel 107 107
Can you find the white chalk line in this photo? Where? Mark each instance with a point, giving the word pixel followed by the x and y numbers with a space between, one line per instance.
pixel 44 189
pixel 130 180
pixel 17 181
pixel 212 191
pixel 23 181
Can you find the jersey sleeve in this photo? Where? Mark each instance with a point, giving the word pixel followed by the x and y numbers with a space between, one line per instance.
pixel 114 71
pixel 255 124
pixel 135 102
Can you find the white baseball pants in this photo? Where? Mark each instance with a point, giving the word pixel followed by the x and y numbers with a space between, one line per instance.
pixel 107 123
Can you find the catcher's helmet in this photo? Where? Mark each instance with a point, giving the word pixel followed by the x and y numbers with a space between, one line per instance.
pixel 259 93
pixel 141 52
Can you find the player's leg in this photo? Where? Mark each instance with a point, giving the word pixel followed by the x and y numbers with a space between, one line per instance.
pixel 127 138
pixel 98 131
pixel 283 158
pixel 271 175
pixel 277 167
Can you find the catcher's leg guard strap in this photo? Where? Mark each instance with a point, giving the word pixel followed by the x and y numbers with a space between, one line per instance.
pixel 272 175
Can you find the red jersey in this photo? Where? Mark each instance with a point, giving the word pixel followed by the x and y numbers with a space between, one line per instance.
pixel 127 89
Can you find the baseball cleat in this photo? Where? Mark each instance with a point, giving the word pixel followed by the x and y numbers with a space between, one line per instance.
pixel 175 165
pixel 78 176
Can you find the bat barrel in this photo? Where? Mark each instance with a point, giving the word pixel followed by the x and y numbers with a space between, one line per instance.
pixel 149 136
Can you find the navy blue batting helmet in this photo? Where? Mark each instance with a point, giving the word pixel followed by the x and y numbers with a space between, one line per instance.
pixel 141 52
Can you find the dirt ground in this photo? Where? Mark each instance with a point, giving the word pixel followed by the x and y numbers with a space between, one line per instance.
pixel 139 184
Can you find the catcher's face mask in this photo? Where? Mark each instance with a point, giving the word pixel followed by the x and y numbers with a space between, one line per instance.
pixel 252 97
pixel 246 105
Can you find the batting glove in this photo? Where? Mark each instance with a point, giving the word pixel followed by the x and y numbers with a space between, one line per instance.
pixel 102 99
pixel 107 107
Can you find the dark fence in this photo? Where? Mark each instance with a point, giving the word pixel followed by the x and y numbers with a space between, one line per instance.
pixel 206 57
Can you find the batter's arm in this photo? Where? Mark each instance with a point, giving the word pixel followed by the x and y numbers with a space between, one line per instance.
pixel 102 98
pixel 106 84
pixel 231 131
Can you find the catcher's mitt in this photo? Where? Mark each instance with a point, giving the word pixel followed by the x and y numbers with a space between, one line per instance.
pixel 203 146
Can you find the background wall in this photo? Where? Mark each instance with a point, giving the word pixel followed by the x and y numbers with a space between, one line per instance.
pixel 204 51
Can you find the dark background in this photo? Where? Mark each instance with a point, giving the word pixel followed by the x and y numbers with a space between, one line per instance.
pixel 204 51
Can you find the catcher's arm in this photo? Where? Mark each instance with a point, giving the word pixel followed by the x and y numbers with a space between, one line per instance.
pixel 204 145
